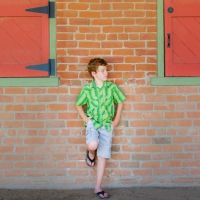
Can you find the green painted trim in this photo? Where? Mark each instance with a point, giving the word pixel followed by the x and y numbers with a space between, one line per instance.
pixel 29 82
pixel 52 81
pixel 160 38
pixel 175 81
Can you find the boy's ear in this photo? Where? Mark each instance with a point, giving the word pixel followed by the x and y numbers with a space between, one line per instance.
pixel 93 73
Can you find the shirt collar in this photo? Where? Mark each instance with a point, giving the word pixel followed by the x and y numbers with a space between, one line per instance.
pixel 93 84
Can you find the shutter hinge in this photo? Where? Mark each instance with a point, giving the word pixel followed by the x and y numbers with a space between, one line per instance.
pixel 47 67
pixel 50 9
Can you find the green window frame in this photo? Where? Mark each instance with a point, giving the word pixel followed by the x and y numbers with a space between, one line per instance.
pixel 38 82
pixel 161 80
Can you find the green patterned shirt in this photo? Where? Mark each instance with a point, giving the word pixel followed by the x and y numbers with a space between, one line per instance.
pixel 100 102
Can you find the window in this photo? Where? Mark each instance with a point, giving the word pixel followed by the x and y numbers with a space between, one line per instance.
pixel 26 54
pixel 178 43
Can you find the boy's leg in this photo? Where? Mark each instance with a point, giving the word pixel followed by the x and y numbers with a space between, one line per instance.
pixel 100 173
pixel 103 152
pixel 92 142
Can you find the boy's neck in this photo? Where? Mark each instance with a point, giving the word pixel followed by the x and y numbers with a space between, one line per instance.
pixel 98 82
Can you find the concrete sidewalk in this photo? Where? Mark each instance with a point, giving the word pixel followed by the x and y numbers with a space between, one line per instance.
pixel 131 193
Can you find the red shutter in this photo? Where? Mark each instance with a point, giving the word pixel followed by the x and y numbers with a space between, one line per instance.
pixel 182 37
pixel 24 40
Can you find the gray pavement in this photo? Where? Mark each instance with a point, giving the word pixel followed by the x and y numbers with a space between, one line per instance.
pixel 128 193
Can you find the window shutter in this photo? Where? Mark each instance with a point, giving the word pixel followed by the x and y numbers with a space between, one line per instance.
pixel 182 38
pixel 24 41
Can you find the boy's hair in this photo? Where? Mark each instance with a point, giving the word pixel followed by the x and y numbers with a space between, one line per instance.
pixel 94 64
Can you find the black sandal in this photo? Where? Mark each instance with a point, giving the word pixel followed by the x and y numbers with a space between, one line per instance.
pixel 102 193
pixel 88 157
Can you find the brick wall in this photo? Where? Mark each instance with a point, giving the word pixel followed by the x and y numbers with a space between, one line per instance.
pixel 157 141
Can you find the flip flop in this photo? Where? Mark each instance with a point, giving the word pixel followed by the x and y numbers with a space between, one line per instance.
pixel 102 193
pixel 88 157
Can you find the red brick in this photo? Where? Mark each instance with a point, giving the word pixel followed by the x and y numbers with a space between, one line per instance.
pixel 67 14
pixel 112 13
pixel 45 165
pixel 134 59
pixel 173 148
pixel 14 173
pixel 123 52
pixel 89 14
pixel 180 171
pixel 134 44
pixel 34 141
pixel 46 116
pixel 150 165
pixel 33 124
pixel 144 140
pixel 35 172
pixel 120 156
pixel 184 180
pixel 113 29
pixel 56 140
pixel 24 165
pixel 101 22
pixel 142 172
pixel 56 172
pixel 6 116
pixel 174 98
pixel 101 6
pixel 14 90
pixel 35 107
pixel 6 165
pixel 187 139
pixel 143 106
pixel 89 44
pixel 24 116
pixel 25 99
pixel 13 124
pixel 162 171
pixel 182 123
pixel 111 44
pixel 172 163
pixel 183 156
pixel 152 148
pixel 55 124
pixel 100 52
pixel 6 98
pixel 56 107
pixel 14 108
pixel 78 6
pixel 13 141
pixel 124 21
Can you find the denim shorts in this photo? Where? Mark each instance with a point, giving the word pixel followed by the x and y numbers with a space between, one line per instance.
pixel 102 136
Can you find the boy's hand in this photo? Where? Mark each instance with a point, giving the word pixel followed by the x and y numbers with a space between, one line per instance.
pixel 114 123
pixel 87 119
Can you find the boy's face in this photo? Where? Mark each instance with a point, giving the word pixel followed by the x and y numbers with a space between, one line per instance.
pixel 101 74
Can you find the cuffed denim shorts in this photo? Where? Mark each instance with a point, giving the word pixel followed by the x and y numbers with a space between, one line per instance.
pixel 102 136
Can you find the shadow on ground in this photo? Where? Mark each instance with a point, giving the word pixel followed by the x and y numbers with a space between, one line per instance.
pixel 131 193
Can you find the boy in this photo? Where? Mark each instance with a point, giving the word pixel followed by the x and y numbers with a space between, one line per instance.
pixel 99 96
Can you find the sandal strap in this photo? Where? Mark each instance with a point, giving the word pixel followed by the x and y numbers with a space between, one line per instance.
pixel 90 158
pixel 102 192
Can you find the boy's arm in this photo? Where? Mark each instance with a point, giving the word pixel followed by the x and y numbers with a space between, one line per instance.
pixel 118 114
pixel 82 114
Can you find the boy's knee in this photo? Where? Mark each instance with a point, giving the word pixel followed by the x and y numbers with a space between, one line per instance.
pixel 92 146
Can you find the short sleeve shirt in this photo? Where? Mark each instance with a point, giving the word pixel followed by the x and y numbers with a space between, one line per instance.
pixel 100 102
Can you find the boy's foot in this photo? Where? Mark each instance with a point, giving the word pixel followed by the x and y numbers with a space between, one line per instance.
pixel 88 160
pixel 102 195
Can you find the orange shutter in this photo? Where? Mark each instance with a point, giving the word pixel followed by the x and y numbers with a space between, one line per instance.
pixel 182 38
pixel 24 41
